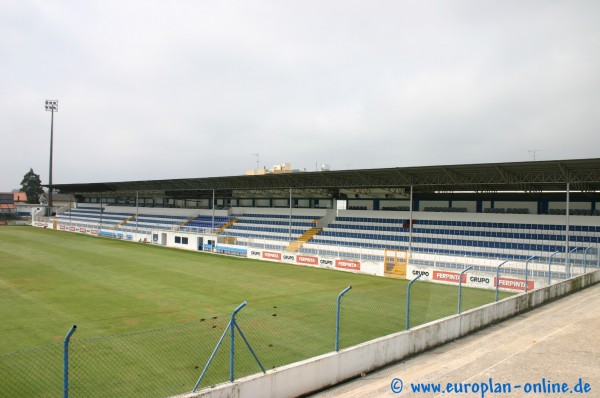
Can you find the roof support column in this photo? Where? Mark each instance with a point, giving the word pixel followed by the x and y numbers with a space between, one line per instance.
pixel 213 211
pixel 100 211
pixel 137 210
pixel 290 225
pixel 410 223
pixel 567 248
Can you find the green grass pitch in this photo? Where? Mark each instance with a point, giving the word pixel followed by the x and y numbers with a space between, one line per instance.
pixel 148 317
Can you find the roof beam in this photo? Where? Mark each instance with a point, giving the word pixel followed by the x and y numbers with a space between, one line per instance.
pixel 529 176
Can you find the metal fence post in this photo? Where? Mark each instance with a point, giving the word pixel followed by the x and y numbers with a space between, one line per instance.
pixel 66 361
pixel 585 259
pixel 232 346
pixel 211 357
pixel 498 277
pixel 337 319
pixel 527 273
pixel 408 301
pixel 250 348
pixel 549 267
pixel 569 273
pixel 231 325
pixel 460 287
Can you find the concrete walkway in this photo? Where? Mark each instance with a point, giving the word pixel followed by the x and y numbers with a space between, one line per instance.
pixel 557 343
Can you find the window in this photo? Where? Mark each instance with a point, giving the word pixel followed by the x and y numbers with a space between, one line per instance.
pixel 178 239
pixel 184 240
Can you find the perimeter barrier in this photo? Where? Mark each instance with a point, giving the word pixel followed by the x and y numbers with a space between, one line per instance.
pixel 170 360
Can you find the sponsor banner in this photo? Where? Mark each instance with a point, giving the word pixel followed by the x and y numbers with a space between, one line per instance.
pixel 254 253
pixel 72 229
pixel 308 260
pixel 448 276
pixel 476 279
pixel 372 268
pixel 289 258
pixel 62 227
pixel 514 284
pixel 412 271
pixel 326 262
pixel 82 230
pixel 347 264
pixel 94 232
pixel 275 256
pixel 480 280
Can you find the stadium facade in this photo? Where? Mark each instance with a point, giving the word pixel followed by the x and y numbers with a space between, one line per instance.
pixel 540 220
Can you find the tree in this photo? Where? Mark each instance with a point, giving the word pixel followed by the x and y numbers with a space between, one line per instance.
pixel 32 186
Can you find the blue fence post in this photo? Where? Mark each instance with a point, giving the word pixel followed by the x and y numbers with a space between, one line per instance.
pixel 408 301
pixel 569 273
pixel 66 361
pixel 232 346
pixel 460 287
pixel 250 348
pixel 549 267
pixel 526 272
pixel 211 357
pixel 231 325
pixel 498 277
pixel 585 259
pixel 337 319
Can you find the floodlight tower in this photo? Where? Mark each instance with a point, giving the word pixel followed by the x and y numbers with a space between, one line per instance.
pixel 51 106
pixel 534 151
pixel 257 159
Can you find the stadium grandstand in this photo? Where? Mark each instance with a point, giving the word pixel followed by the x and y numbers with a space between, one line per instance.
pixel 9 202
pixel 446 216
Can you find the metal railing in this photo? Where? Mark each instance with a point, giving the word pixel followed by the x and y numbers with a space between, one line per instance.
pixel 169 360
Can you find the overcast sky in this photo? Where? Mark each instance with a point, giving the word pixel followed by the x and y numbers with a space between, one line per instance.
pixel 179 89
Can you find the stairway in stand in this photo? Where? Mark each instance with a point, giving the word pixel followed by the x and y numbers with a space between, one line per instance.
pixel 120 224
pixel 186 222
pixel 306 236
pixel 225 226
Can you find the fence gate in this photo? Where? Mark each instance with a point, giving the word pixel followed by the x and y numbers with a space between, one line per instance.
pixel 395 263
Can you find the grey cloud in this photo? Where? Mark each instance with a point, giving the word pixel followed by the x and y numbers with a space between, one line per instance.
pixel 190 89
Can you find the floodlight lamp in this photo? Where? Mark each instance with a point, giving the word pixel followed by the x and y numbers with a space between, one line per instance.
pixel 52 105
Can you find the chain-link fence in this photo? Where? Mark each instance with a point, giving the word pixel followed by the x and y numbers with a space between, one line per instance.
pixel 168 361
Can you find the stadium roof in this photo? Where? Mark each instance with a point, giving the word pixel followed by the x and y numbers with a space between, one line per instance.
pixel 581 174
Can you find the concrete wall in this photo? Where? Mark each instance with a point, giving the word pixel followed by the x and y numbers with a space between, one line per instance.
pixel 156 210
pixel 262 202
pixel 394 203
pixel 339 264
pixel 281 203
pixel 479 217
pixel 433 203
pixel 327 370
pixel 368 203
pixel 572 205
pixel 284 211
pixel 325 203
pixel 83 228
pixel 470 205
pixel 532 206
